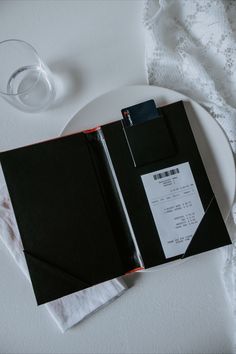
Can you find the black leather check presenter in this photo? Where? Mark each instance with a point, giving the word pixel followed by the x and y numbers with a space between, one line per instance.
pixel 98 204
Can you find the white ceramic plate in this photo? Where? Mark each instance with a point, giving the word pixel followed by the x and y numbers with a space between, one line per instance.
pixel 212 142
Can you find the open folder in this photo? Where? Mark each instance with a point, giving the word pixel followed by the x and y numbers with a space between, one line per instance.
pixel 101 203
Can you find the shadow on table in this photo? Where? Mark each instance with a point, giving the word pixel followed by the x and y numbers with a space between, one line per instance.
pixel 68 82
pixel 131 279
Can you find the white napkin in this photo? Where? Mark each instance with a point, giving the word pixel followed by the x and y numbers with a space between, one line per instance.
pixel 191 48
pixel 70 309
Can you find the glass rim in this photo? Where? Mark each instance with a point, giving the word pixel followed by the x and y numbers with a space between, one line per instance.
pixel 40 66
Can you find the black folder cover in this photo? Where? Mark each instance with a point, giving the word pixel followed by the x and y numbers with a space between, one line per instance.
pixel 82 211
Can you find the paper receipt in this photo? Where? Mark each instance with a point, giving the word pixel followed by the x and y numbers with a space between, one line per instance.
pixel 175 205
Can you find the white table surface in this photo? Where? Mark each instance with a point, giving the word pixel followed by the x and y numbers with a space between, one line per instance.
pixel 96 46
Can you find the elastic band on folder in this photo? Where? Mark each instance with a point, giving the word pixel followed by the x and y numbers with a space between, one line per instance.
pixel 134 270
pixel 88 131
pixel 137 251
pixel 127 140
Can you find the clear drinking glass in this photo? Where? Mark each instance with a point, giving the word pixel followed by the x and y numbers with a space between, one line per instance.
pixel 25 81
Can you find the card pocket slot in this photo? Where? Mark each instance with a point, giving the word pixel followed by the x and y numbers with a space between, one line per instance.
pixel 149 141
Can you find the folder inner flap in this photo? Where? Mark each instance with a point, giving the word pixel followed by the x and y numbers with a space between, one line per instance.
pixel 62 210
pixel 211 232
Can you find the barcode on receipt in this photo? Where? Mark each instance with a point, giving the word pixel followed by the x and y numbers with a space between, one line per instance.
pixel 174 171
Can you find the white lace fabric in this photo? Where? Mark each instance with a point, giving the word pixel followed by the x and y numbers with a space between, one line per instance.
pixel 191 48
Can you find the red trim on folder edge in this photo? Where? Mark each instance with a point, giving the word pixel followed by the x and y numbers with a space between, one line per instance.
pixel 134 270
pixel 91 130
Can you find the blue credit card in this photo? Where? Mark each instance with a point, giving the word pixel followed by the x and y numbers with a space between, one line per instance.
pixel 140 113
